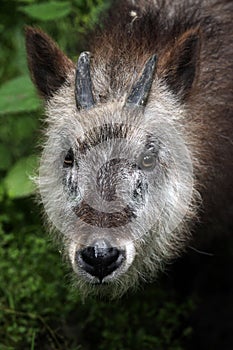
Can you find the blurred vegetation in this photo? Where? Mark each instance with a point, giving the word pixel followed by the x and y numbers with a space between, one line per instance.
pixel 38 308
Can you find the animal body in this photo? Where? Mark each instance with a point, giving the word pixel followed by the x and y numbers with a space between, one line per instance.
pixel 138 145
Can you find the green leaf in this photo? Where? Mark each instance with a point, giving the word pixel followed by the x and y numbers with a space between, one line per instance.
pixel 48 11
pixel 18 95
pixel 17 181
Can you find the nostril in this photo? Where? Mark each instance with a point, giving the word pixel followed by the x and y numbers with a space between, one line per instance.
pixel 101 259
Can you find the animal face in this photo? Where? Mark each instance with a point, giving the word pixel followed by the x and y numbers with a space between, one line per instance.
pixel 116 173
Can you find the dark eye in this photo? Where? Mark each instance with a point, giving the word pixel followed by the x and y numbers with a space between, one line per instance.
pixel 69 159
pixel 147 161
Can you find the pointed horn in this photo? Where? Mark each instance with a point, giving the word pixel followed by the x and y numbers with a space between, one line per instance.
pixel 140 91
pixel 83 86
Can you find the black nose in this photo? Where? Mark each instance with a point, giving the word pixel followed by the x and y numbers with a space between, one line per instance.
pixel 100 259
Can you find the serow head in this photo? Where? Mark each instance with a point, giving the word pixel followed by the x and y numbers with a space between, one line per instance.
pixel 115 176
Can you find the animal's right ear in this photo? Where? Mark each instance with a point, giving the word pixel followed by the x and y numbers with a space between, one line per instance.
pixel 180 63
pixel 48 65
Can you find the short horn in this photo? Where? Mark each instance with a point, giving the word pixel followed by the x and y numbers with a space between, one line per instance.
pixel 140 91
pixel 83 86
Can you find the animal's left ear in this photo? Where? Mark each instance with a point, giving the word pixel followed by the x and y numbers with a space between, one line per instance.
pixel 180 63
pixel 48 65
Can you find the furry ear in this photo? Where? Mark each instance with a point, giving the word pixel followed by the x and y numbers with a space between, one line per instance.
pixel 180 63
pixel 48 65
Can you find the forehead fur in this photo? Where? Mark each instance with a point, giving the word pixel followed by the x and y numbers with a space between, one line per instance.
pixel 62 111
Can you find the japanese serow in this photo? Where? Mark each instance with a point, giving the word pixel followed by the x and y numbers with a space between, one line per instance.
pixel 138 143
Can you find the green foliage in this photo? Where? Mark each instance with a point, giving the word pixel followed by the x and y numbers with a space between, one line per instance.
pixel 38 310
pixel 18 95
pixel 48 11
pixel 17 181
